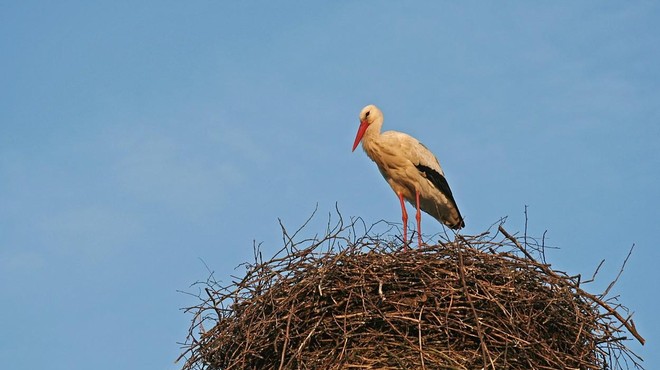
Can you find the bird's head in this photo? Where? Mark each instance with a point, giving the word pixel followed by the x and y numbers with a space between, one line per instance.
pixel 368 115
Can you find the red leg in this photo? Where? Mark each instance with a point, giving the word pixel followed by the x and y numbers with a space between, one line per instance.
pixel 418 216
pixel 404 217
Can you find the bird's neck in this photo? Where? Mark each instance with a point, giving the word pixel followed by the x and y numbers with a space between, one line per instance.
pixel 371 136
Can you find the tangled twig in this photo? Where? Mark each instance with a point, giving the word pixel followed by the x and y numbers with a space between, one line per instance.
pixel 345 301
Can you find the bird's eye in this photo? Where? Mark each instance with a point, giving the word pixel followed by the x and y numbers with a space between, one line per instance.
pixel 367 115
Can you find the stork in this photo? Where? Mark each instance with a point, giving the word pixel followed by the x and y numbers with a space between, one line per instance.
pixel 412 171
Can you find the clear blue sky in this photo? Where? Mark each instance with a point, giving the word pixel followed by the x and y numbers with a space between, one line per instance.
pixel 138 139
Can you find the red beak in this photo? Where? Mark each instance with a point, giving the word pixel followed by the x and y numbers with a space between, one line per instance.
pixel 363 127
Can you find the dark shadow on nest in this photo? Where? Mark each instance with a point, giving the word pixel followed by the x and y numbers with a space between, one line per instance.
pixel 352 300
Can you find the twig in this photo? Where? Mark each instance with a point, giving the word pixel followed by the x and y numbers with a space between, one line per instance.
pixel 351 299
pixel 623 265
pixel 627 323
pixel 419 336
pixel 484 350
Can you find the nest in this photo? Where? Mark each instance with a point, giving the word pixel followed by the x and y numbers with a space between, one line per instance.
pixel 346 302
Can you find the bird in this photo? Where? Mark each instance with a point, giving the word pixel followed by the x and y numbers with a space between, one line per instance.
pixel 412 171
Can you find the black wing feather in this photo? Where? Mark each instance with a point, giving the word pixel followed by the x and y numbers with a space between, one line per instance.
pixel 441 183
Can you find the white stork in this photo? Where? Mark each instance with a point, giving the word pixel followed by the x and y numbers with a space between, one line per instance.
pixel 412 171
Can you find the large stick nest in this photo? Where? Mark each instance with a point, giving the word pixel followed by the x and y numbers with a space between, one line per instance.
pixel 347 302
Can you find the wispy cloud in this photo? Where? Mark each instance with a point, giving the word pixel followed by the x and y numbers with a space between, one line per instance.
pixel 93 231
pixel 184 173
pixel 22 260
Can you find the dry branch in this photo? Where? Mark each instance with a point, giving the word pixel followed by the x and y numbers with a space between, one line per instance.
pixel 348 302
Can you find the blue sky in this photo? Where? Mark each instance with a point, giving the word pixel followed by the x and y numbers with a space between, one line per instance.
pixel 137 141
